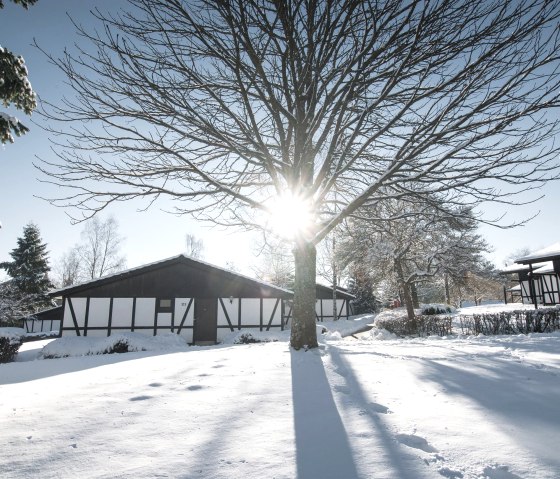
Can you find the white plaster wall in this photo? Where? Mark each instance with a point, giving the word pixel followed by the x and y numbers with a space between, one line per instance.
pixel 328 308
pixel 39 326
pixel 98 313
pixel 145 310
pixel 180 308
pixel 79 305
pixel 122 313
pixel 250 311
pixel 550 282
pixel 164 319
pixel 232 311
pixel 268 308
pixel 98 333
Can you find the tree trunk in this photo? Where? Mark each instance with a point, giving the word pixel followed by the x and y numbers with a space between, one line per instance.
pixel 414 295
pixel 447 295
pixel 405 290
pixel 334 280
pixel 304 331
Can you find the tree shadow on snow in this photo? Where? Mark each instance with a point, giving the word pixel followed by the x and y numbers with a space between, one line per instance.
pixel 322 447
pixel 18 372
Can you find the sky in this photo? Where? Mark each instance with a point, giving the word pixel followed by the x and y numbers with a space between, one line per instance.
pixel 154 234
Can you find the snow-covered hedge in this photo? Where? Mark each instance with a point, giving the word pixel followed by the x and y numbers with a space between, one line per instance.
pixel 119 343
pixel 542 320
pixel 432 309
pixel 425 325
pixel 10 341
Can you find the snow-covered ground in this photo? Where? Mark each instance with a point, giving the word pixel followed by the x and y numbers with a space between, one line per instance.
pixel 354 408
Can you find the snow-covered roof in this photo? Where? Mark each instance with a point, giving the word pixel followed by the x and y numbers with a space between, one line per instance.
pixel 514 289
pixel 548 268
pixel 514 268
pixel 156 264
pixel 544 254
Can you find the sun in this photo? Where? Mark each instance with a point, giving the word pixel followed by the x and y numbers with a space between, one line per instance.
pixel 290 216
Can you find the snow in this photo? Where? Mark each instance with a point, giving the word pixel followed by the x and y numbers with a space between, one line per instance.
pixel 12 333
pixel 552 250
pixel 472 408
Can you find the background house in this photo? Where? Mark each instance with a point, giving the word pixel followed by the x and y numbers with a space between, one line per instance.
pixel 181 295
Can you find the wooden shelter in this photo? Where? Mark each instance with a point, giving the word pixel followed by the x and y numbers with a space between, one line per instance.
pixel 539 276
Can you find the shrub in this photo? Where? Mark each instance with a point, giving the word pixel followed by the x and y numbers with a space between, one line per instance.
pixel 543 320
pixel 246 338
pixel 433 309
pixel 425 325
pixel 9 345
pixel 119 346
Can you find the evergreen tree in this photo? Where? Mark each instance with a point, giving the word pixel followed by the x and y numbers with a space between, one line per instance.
pixel 361 286
pixel 29 268
pixel 15 88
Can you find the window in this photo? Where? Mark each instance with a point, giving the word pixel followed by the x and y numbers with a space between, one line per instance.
pixel 164 304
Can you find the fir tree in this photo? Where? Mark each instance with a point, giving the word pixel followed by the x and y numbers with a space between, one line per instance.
pixel 15 88
pixel 29 268
pixel 361 286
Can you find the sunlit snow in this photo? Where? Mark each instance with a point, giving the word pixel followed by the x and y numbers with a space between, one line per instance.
pixel 356 407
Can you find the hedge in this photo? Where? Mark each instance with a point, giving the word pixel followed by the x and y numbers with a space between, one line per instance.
pixel 542 320
pixel 424 325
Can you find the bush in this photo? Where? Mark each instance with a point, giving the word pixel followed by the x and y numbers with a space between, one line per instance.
pixel 246 338
pixel 425 325
pixel 120 346
pixel 545 320
pixel 10 342
pixel 433 309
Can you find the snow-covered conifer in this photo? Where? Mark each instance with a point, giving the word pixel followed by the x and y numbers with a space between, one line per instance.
pixel 29 267
pixel 15 88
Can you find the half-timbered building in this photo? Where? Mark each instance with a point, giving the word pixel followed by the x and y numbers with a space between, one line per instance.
pixel 181 295
pixel 538 276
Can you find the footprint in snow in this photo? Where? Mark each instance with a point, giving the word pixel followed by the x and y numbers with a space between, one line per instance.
pixel 499 472
pixel 379 408
pixel 450 473
pixel 415 442
pixel 140 398
pixel 196 387
pixel 342 389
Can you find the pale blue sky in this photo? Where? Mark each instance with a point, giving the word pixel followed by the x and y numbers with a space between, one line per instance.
pixel 150 235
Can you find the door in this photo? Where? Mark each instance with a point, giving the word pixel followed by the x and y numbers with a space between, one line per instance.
pixel 205 321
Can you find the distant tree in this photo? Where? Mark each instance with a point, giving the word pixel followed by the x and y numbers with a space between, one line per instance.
pixel 229 106
pixel 99 251
pixel 276 265
pixel 69 268
pixel 29 267
pixel 231 266
pixel 15 88
pixel 194 247
pixel 415 242
pixel 516 254
pixel 361 285
pixel 14 304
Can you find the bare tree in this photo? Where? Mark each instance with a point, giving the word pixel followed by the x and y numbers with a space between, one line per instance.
pixel 69 269
pixel 99 251
pixel 194 247
pixel 276 264
pixel 227 106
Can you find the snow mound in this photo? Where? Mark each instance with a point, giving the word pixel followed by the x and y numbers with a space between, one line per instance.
pixel 12 333
pixel 72 346
pixel 380 334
